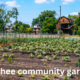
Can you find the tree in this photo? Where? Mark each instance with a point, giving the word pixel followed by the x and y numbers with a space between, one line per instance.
pixel 29 30
pixel 49 25
pixel 76 20
pixel 73 17
pixel 35 21
pixel 4 17
pixel 15 13
pixel 20 27
pixel 42 16
pixel 47 20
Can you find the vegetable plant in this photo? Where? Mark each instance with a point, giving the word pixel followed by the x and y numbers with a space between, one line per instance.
pixel 31 55
pixel 5 55
pixel 65 58
pixel 48 58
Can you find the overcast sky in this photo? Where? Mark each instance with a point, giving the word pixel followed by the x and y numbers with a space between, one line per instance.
pixel 29 9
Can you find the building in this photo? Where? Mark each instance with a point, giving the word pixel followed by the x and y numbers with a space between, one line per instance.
pixel 37 29
pixel 67 26
pixel 9 27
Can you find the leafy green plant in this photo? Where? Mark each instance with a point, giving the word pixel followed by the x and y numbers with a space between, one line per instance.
pixel 2 60
pixel 65 58
pixel 71 74
pixel 31 55
pixel 56 56
pixel 39 55
pixel 33 76
pixel 45 63
pixel 46 77
pixel 66 78
pixel 19 63
pixel 20 73
pixel 55 75
pixel 11 55
pixel 78 63
pixel 48 58
pixel 9 59
pixel 5 55
pixel 66 65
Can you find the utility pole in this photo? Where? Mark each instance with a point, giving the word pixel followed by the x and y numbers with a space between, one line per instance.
pixel 60 20
pixel 16 22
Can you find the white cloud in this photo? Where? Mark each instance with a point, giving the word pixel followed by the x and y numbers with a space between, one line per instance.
pixel 40 1
pixel 53 0
pixel 43 1
pixel 74 13
pixel 67 1
pixel 10 3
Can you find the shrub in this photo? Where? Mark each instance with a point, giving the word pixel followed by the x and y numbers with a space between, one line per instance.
pixel 61 32
pixel 78 32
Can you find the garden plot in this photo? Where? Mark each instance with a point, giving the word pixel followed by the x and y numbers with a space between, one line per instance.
pixel 43 54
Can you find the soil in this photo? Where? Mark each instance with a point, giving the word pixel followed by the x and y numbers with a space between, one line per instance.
pixel 23 61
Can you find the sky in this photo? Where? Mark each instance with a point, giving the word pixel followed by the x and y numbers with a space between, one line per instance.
pixel 29 9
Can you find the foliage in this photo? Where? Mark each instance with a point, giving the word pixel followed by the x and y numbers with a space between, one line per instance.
pixel 5 55
pixel 61 32
pixel 78 63
pixel 71 74
pixel 78 32
pixel 2 60
pixel 20 27
pixel 48 58
pixel 29 30
pixel 46 77
pixel 66 78
pixel 48 20
pixel 39 55
pixel 11 55
pixel 9 59
pixel 20 73
pixel 65 58
pixel 48 25
pixel 54 75
pixel 33 76
pixel 76 20
pixel 55 56
pixel 4 17
pixel 31 55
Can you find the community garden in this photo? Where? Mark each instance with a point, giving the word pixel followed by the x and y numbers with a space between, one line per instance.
pixel 40 54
